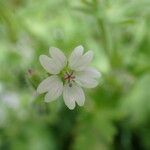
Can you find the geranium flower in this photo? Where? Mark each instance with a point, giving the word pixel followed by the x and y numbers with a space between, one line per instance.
pixel 68 76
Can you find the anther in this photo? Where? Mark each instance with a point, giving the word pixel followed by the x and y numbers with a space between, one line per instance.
pixel 69 77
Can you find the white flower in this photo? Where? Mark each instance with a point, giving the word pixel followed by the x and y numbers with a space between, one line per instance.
pixel 68 76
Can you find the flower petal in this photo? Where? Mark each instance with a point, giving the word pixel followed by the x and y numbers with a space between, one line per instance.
pixel 76 55
pixel 73 94
pixel 48 83
pixel 83 61
pixel 87 78
pixel 49 64
pixel 92 83
pixel 55 89
pixel 58 56
pixel 44 85
pixel 92 72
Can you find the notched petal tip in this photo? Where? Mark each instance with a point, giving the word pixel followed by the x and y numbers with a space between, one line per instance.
pixel 43 86
pixel 94 73
pixel 71 108
pixel 78 50
pixel 79 47
pixel 38 90
pixel 56 52
pixel 47 99
pixel 89 54
pixel 81 62
pixel 50 65
pixel 98 74
pixel 41 57
pixel 58 56
pixel 73 95
pixel 81 103
pixel 52 47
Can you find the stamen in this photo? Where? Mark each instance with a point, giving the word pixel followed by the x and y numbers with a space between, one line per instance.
pixel 69 77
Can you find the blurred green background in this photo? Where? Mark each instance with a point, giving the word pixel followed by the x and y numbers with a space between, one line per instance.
pixel 116 115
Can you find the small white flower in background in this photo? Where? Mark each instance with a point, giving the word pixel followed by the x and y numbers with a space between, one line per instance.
pixel 68 76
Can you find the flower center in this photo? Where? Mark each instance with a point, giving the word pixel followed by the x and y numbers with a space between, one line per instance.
pixel 69 77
